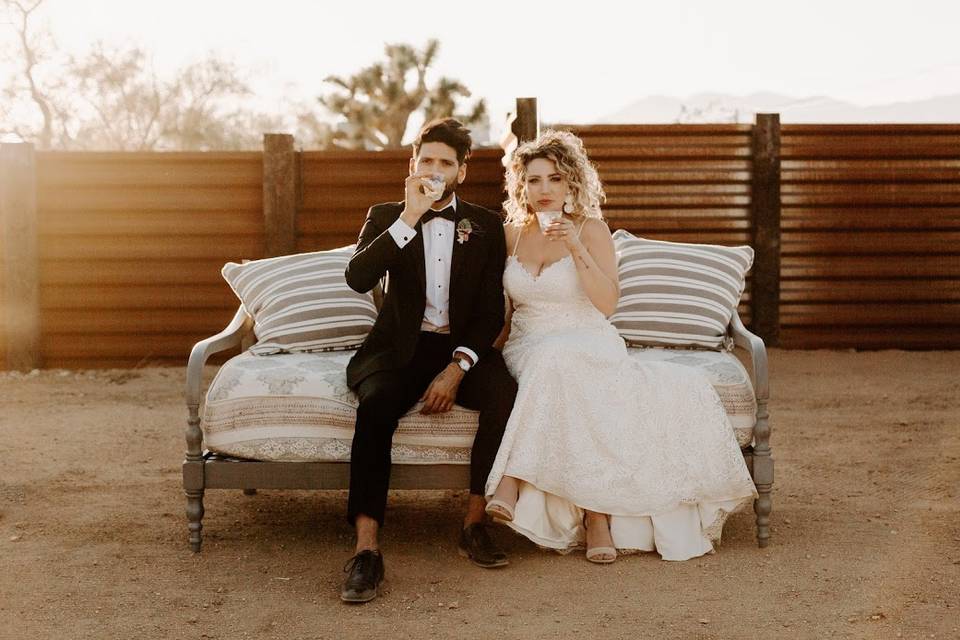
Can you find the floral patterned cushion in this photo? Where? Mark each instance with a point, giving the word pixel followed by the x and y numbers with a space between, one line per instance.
pixel 297 407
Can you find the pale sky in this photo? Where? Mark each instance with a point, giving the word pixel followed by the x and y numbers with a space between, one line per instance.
pixel 582 60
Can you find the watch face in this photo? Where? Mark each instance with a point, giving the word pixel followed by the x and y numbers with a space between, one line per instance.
pixel 463 364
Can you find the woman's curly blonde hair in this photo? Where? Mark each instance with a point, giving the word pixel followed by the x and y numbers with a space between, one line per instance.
pixel 567 152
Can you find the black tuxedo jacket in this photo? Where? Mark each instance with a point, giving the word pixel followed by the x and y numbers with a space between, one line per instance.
pixel 476 287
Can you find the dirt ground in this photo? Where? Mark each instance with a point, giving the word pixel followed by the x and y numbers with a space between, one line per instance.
pixel 865 526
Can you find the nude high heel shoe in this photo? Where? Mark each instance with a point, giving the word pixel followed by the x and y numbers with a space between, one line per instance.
pixel 600 555
pixel 499 510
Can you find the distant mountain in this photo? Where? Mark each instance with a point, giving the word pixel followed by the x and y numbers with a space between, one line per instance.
pixel 717 107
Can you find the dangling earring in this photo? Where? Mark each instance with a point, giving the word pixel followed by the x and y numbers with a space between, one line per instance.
pixel 568 204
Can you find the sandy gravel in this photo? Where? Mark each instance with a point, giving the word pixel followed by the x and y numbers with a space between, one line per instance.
pixel 866 529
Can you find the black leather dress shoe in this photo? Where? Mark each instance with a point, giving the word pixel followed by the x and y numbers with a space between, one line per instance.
pixel 476 544
pixel 365 572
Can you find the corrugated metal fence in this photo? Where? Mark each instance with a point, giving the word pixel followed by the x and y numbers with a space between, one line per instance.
pixel 870 228
pixel 131 245
pixel 130 251
pixel 871 236
pixel 683 183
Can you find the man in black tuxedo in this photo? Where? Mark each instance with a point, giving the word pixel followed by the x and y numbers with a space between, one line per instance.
pixel 442 310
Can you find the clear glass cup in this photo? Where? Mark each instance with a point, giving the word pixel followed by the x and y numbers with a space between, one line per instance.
pixel 434 186
pixel 546 217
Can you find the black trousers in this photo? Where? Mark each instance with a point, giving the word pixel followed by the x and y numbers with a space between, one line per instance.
pixel 386 396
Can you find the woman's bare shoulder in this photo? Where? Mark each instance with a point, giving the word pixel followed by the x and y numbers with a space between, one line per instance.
pixel 595 230
pixel 596 237
pixel 510 232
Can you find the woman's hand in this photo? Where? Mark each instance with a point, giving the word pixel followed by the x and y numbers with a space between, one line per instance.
pixel 564 231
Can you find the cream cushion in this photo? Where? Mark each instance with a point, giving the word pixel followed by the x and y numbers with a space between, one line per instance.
pixel 297 407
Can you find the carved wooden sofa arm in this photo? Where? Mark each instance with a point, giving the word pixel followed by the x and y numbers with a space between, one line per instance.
pixel 232 335
pixel 758 457
pixel 193 472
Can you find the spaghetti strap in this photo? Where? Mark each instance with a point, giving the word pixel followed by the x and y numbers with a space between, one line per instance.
pixel 517 243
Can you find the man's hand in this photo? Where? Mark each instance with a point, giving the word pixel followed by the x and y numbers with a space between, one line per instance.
pixel 440 395
pixel 416 203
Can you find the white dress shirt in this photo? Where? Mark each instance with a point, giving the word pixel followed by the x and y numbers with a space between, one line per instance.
pixel 437 256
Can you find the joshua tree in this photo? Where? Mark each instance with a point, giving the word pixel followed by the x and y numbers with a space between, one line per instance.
pixel 378 100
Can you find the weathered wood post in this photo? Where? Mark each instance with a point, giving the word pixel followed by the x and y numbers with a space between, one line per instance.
pixel 765 294
pixel 20 254
pixel 279 195
pixel 526 126
pixel 765 210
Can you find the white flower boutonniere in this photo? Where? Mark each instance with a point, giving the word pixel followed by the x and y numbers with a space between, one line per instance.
pixel 464 229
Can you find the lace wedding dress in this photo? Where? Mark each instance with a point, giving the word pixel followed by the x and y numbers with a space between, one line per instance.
pixel 647 443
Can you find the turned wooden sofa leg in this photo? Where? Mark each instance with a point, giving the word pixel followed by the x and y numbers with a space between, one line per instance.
pixel 762 506
pixel 193 478
pixel 762 474
pixel 195 519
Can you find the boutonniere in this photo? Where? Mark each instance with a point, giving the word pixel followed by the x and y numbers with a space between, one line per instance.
pixel 464 229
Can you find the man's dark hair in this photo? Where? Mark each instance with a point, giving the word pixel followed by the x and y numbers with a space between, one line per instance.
pixel 449 131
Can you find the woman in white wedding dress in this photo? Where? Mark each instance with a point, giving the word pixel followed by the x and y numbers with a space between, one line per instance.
pixel 601 450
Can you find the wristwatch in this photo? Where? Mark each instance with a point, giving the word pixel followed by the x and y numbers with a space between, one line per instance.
pixel 462 362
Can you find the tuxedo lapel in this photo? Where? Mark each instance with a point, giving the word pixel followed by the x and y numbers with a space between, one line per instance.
pixel 459 248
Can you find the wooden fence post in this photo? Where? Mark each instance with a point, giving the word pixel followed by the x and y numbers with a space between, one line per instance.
pixel 279 194
pixel 526 126
pixel 19 248
pixel 765 210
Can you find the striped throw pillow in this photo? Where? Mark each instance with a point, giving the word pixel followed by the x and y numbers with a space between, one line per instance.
pixel 677 294
pixel 301 302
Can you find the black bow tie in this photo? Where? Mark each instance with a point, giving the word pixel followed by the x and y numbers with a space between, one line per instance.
pixel 446 214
